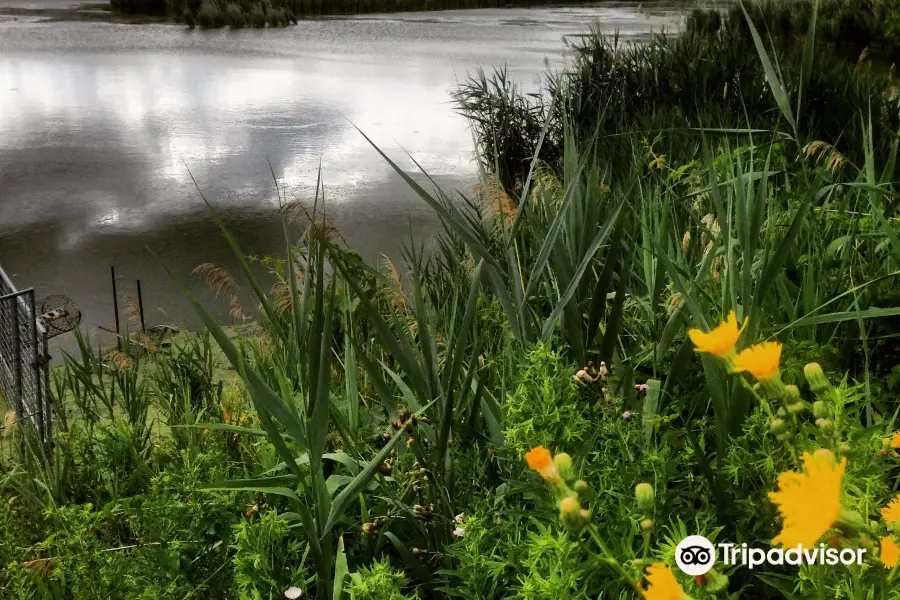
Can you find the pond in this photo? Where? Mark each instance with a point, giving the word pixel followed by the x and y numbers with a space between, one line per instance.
pixel 103 126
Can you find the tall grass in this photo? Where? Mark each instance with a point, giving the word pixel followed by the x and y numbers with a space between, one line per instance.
pixel 631 94
pixel 854 25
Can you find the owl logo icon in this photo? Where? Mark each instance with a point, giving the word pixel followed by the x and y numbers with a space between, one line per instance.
pixel 695 555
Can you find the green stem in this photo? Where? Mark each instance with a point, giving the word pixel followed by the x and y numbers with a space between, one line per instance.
pixel 610 559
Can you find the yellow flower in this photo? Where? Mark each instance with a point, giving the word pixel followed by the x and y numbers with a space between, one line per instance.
pixel 541 461
pixel 760 360
pixel 895 441
pixel 663 585
pixel 721 340
pixel 891 512
pixel 809 502
pixel 890 552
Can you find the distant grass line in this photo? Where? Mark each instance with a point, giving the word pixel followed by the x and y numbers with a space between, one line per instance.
pixel 211 14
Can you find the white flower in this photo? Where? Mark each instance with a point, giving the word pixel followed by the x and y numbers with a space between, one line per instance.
pixel 460 518
pixel 626 415
pixel 459 532
pixel 293 592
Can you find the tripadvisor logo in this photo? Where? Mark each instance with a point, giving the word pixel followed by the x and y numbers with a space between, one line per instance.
pixel 696 555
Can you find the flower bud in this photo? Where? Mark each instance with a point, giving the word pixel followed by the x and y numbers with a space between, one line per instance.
pixel 571 514
pixel 820 409
pixel 816 378
pixel 569 505
pixel 845 448
pixel 793 393
pixel 776 425
pixel 716 582
pixel 852 519
pixel 781 413
pixel 797 407
pixel 581 486
pixel 825 425
pixel 645 496
pixel 647 525
pixel 564 465
pixel 826 453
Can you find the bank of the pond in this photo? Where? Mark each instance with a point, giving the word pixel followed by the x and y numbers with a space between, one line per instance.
pixel 238 14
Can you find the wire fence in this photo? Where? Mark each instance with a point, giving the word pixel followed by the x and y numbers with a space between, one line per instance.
pixel 24 361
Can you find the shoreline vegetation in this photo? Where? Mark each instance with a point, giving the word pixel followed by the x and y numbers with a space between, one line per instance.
pixel 237 14
pixel 669 308
pixel 259 14
pixel 852 24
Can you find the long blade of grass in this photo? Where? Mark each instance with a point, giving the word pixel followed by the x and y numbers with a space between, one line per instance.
pixel 778 91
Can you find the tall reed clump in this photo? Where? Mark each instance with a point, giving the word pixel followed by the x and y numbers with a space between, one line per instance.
pixel 623 91
pixel 852 25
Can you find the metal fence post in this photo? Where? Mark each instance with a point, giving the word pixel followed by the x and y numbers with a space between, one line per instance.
pixel 17 363
pixel 36 362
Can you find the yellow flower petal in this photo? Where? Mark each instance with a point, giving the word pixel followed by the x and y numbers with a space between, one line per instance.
pixel 662 584
pixel 809 502
pixel 895 441
pixel 721 340
pixel 760 360
pixel 891 512
pixel 890 552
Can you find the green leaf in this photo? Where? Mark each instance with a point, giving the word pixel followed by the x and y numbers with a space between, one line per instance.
pixel 849 315
pixel 278 491
pixel 348 494
pixel 781 97
pixel 224 427
pixel 257 483
pixel 341 570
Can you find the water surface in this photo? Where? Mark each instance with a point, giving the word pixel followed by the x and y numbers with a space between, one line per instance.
pixel 102 126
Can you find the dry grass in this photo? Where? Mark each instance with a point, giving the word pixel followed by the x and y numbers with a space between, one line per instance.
pixel 217 278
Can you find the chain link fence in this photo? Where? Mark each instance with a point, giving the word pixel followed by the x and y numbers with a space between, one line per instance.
pixel 24 360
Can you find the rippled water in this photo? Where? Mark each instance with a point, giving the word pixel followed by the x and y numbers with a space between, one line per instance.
pixel 102 125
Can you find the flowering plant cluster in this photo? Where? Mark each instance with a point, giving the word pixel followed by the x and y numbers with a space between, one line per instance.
pixel 811 501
